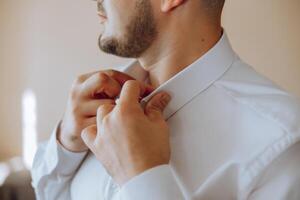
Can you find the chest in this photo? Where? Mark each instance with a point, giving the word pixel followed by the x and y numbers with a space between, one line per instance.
pixel 209 136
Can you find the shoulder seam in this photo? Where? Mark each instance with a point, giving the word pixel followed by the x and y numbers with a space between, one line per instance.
pixel 267 117
pixel 250 173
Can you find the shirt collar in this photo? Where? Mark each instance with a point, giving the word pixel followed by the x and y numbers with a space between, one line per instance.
pixel 192 80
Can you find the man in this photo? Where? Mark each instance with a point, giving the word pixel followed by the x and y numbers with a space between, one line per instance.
pixel 188 120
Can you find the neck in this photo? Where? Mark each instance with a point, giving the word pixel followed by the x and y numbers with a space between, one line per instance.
pixel 171 54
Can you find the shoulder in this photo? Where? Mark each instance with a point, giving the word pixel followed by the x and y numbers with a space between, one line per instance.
pixel 282 176
pixel 272 103
pixel 243 83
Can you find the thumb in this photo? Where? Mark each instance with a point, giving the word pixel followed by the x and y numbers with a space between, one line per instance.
pixel 88 136
pixel 155 107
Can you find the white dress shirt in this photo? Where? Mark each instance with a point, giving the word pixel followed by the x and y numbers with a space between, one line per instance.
pixel 234 135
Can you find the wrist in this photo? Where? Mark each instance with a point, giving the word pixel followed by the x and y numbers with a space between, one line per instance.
pixel 71 142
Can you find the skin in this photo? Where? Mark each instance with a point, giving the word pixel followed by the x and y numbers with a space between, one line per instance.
pixel 88 92
pixel 194 32
pixel 171 53
pixel 126 139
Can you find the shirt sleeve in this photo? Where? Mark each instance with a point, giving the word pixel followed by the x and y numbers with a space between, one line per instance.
pixel 157 183
pixel 53 168
pixel 282 179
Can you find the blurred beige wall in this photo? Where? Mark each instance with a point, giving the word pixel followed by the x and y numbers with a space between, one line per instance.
pixel 11 77
pixel 266 35
pixel 46 44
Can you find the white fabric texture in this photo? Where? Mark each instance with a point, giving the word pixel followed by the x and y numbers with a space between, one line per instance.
pixel 234 135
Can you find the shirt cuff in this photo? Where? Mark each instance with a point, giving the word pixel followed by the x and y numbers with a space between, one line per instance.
pixel 62 160
pixel 157 183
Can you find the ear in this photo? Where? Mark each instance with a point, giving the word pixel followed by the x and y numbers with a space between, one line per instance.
pixel 168 5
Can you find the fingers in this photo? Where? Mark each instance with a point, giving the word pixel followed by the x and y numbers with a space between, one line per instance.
pixel 132 91
pixel 120 77
pixel 89 108
pixel 102 111
pixel 89 135
pixel 106 84
pixel 91 121
pixel 84 77
pixel 148 89
pixel 157 104
pixel 100 85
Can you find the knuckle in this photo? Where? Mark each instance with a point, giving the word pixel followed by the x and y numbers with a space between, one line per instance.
pixel 105 121
pixel 155 106
pixel 74 93
pixel 162 103
pixel 103 107
pixel 75 89
pixel 111 72
pixel 76 109
pixel 79 79
pixel 102 77
pixel 158 103
pixel 131 83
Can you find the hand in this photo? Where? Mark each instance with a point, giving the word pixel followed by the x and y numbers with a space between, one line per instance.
pixel 127 139
pixel 89 92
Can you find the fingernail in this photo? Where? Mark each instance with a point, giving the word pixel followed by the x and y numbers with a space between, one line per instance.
pixel 166 98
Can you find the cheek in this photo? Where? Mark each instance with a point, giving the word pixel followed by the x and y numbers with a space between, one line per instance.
pixel 118 19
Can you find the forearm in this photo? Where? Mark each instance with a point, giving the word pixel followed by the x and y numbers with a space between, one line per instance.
pixel 53 168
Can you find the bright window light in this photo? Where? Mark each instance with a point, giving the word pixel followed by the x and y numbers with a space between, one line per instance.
pixel 4 172
pixel 29 127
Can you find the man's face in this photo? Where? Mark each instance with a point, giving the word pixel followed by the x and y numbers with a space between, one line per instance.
pixel 129 27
